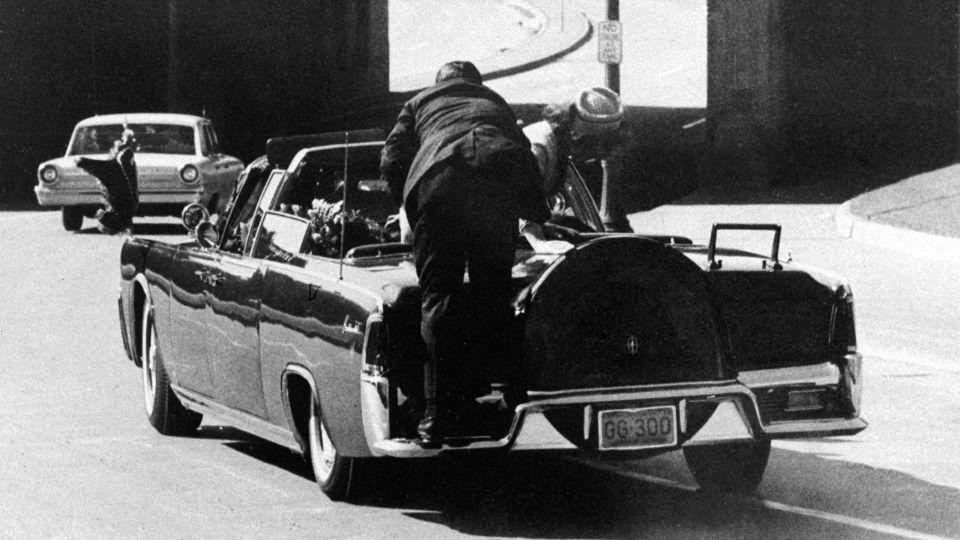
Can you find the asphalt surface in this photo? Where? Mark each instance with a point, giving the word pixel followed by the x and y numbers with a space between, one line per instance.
pixel 78 458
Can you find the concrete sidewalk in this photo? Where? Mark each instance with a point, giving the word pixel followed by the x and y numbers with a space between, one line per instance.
pixel 917 214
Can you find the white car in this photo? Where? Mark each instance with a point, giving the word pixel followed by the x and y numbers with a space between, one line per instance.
pixel 178 162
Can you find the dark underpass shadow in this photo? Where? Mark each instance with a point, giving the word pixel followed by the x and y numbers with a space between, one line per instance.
pixel 815 186
pixel 550 497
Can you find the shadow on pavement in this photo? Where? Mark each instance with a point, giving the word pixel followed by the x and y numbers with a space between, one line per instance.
pixel 273 454
pixel 539 497
pixel 168 229
pixel 140 229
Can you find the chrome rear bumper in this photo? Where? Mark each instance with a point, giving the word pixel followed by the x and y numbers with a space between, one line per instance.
pixel 736 417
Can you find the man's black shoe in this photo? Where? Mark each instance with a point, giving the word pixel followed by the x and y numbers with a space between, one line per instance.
pixel 429 431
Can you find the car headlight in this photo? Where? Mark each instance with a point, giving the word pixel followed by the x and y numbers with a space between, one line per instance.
pixel 189 174
pixel 49 174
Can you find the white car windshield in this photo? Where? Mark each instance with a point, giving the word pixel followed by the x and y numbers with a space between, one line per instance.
pixel 151 138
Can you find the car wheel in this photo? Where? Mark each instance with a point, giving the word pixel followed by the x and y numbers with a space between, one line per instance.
pixel 335 474
pixel 72 218
pixel 731 467
pixel 164 410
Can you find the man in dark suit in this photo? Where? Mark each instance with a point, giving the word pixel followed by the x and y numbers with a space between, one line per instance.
pixel 462 168
pixel 118 184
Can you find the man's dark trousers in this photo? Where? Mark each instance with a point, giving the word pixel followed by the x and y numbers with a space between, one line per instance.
pixel 464 220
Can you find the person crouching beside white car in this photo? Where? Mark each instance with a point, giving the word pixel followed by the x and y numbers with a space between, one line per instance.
pixel 118 184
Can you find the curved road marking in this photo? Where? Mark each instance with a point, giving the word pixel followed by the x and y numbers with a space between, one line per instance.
pixel 771 505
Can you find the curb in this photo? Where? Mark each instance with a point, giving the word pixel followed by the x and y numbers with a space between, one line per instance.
pixel 538 51
pixel 544 53
pixel 932 246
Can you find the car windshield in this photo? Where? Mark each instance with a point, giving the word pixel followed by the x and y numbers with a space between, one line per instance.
pixel 151 138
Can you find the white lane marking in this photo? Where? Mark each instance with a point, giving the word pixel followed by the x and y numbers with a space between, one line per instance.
pixel 635 475
pixel 771 505
pixel 847 520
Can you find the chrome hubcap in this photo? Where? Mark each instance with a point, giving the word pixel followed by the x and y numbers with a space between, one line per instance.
pixel 322 452
pixel 149 362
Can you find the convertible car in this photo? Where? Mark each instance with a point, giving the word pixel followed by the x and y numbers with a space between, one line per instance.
pixel 301 326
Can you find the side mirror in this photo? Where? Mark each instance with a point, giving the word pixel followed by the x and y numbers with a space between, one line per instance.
pixel 193 215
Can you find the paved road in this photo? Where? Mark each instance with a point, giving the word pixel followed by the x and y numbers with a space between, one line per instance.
pixel 418 28
pixel 664 56
pixel 78 459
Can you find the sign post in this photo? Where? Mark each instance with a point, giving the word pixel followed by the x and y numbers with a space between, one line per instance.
pixel 610 53
pixel 610 44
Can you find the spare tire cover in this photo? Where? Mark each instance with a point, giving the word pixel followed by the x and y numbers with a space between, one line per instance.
pixel 620 311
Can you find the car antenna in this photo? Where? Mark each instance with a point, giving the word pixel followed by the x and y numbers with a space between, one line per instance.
pixel 343 211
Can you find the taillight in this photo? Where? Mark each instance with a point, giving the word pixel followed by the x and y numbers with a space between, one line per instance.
pixel 189 174
pixel 843 332
pixel 373 353
pixel 49 174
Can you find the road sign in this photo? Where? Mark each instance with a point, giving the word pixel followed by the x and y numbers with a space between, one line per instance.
pixel 609 42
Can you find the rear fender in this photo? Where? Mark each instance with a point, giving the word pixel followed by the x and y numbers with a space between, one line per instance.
pixel 290 415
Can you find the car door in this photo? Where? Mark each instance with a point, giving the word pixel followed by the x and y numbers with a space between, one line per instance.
pixel 286 287
pixel 189 287
pixel 233 284
pixel 214 314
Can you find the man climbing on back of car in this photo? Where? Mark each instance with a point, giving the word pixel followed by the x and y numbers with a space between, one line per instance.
pixel 463 171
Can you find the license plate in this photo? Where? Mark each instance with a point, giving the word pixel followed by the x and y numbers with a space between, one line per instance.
pixel 630 429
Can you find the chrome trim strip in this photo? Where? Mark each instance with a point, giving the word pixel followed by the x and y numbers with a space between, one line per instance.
pixel 627 388
pixel 587 421
pixel 682 412
pixel 243 421
pixel 823 374
pixel 815 428
pixel 635 393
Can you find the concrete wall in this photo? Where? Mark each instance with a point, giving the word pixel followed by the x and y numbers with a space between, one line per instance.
pixel 798 84
pixel 257 67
